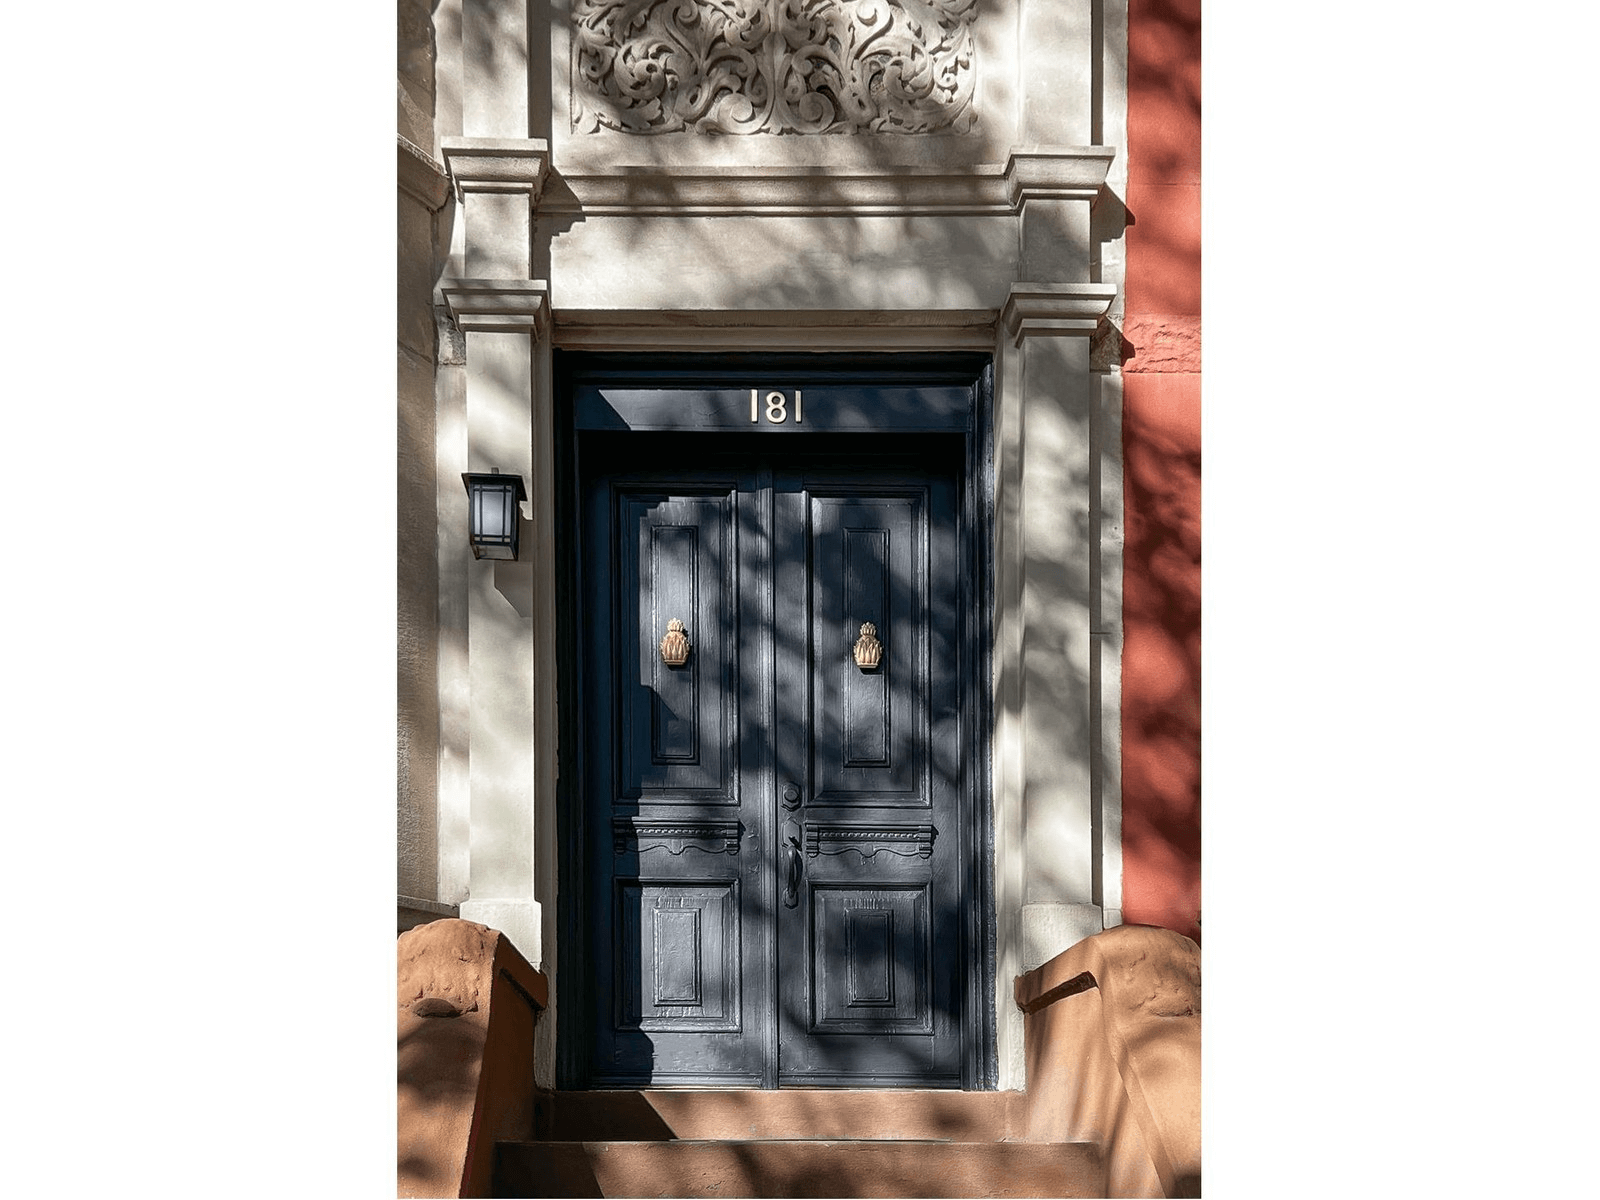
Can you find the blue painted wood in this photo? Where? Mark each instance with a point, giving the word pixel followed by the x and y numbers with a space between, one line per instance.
pixel 693 791
pixel 878 764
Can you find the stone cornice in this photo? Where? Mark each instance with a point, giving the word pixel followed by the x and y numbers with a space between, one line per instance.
pixel 1055 310
pixel 1056 173
pixel 421 177
pixel 498 164
pixel 498 305
pixel 984 189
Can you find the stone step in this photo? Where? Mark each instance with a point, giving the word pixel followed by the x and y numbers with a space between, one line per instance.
pixel 787 1113
pixel 798 1168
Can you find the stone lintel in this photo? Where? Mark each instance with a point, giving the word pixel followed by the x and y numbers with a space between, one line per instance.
pixel 498 305
pixel 516 165
pixel 774 329
pixel 1055 310
pixel 421 177
pixel 1056 173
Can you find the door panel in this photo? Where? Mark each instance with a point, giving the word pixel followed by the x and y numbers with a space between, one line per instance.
pixel 774 831
pixel 868 567
pixel 868 1000
pixel 677 721
pixel 674 871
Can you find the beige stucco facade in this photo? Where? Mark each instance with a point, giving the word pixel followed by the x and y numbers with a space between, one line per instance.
pixel 542 206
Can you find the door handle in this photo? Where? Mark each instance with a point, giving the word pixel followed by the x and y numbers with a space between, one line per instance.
pixel 794 866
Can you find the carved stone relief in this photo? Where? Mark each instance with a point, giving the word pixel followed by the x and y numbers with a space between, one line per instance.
pixel 773 66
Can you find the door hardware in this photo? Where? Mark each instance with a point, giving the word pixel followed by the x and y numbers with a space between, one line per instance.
pixel 795 864
pixel 868 649
pixel 675 645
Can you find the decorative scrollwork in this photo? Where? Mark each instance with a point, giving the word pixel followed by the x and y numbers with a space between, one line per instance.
pixel 908 841
pixel 773 66
pixel 635 835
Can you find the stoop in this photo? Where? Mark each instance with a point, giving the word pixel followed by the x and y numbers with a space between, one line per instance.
pixel 791 1143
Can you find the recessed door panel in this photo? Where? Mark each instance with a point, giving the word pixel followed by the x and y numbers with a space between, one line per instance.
pixel 869 569
pixel 677 949
pixel 871 960
pixel 676 719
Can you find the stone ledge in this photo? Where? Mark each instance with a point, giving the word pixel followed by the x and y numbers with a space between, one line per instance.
pixel 437 907
pixel 421 177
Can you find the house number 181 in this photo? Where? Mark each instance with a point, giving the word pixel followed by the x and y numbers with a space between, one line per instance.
pixel 777 407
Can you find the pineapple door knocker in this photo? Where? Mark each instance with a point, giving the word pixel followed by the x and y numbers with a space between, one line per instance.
pixel 868 649
pixel 675 646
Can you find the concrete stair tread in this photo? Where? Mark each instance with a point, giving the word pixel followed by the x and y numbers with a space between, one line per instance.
pixel 713 1114
pixel 799 1167
pixel 766 1141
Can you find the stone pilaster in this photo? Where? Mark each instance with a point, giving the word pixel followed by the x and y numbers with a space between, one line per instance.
pixel 508 664
pixel 1047 597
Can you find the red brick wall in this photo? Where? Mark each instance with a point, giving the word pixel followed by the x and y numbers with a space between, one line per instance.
pixel 1161 449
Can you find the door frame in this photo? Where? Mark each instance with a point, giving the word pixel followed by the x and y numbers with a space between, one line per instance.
pixel 571 370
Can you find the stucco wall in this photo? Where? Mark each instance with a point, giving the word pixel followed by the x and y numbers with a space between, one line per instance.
pixel 1161 447
pixel 420 197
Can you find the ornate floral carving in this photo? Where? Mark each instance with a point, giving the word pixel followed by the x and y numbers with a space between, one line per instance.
pixel 773 66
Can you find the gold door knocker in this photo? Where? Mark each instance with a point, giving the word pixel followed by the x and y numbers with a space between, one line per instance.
pixel 675 646
pixel 868 650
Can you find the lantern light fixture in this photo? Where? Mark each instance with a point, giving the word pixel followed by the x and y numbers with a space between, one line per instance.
pixel 492 513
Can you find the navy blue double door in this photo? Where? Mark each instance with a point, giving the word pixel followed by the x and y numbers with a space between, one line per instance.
pixel 776 820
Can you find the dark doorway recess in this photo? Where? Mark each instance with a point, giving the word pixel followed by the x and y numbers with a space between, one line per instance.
pixel 775 721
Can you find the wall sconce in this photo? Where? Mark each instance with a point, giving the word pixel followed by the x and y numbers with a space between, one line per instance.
pixel 492 514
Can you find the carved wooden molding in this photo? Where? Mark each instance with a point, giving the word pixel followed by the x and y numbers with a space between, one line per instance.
pixel 498 305
pixel 773 66
pixel 908 841
pixel 636 835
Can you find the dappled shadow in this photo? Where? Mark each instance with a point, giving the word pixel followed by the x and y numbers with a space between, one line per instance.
pixel 851 262
pixel 1161 449
pixel 1161 673
pixel 747 568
